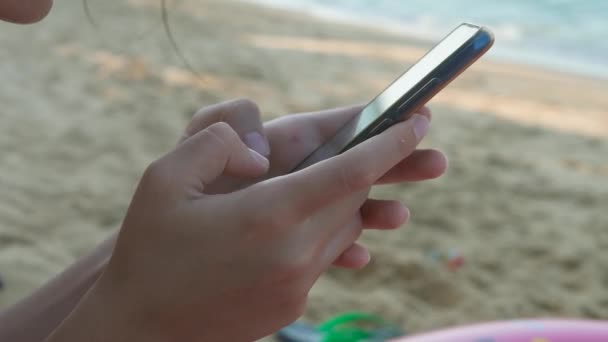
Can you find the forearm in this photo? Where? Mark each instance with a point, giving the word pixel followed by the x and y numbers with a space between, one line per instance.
pixel 36 316
pixel 101 316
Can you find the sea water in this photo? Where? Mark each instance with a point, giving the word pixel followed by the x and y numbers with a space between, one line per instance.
pixel 567 35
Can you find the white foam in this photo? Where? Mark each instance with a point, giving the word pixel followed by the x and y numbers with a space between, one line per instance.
pixel 428 29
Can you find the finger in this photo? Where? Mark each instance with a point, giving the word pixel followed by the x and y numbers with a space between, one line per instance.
pixel 293 137
pixel 420 165
pixel 383 214
pixel 331 218
pixel 215 151
pixel 242 115
pixel 374 213
pixel 342 240
pixel 355 257
pixel 426 111
pixel 352 171
pixel 329 121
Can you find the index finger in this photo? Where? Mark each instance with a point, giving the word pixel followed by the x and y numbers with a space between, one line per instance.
pixel 293 137
pixel 356 169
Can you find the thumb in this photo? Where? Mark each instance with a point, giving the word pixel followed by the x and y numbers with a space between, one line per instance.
pixel 215 151
pixel 242 115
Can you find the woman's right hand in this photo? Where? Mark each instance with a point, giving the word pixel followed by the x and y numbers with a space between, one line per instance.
pixel 286 140
pixel 193 266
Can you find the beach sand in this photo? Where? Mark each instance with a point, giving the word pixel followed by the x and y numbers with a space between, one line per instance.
pixel 87 105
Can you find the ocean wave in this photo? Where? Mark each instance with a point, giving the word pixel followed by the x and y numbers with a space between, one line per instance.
pixel 539 36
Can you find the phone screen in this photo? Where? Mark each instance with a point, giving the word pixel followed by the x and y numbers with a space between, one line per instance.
pixel 400 88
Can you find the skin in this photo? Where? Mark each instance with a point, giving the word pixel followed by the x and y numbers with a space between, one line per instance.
pixel 185 256
pixel 24 11
pixel 218 233
pixel 38 315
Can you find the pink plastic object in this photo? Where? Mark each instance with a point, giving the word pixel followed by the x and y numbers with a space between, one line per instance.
pixel 520 331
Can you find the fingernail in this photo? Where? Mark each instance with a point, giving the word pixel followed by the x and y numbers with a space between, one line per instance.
pixel 365 260
pixel 259 159
pixel 257 142
pixel 421 126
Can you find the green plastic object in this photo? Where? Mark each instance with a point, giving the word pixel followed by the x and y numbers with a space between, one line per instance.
pixel 355 327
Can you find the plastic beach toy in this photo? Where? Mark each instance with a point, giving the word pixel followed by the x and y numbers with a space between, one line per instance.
pixel 546 330
pixel 348 327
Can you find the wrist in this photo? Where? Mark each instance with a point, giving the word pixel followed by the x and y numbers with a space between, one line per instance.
pixel 100 316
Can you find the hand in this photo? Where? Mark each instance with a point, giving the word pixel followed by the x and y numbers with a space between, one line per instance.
pixel 194 266
pixel 289 139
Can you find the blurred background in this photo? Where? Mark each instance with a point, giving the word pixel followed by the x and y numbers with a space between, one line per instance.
pixel 516 228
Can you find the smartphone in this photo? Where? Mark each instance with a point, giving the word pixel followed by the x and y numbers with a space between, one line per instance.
pixel 416 86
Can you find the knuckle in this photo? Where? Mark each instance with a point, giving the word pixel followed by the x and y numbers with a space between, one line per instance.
pixel 271 223
pixel 154 170
pixel 221 128
pixel 158 173
pixel 405 145
pixel 247 105
pixel 354 229
pixel 274 221
pixel 355 232
pixel 198 121
pixel 255 222
pixel 292 269
pixel 357 177
pixel 224 133
pixel 200 113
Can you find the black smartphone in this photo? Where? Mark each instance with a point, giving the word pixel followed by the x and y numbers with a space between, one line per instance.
pixel 416 86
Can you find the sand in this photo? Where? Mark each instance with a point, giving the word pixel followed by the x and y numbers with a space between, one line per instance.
pixel 86 107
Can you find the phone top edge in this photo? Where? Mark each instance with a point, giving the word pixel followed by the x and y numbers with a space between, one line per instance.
pixel 490 34
pixel 481 39
pixel 471 25
pixel 431 83
pixel 444 74
pixel 410 90
pixel 434 58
